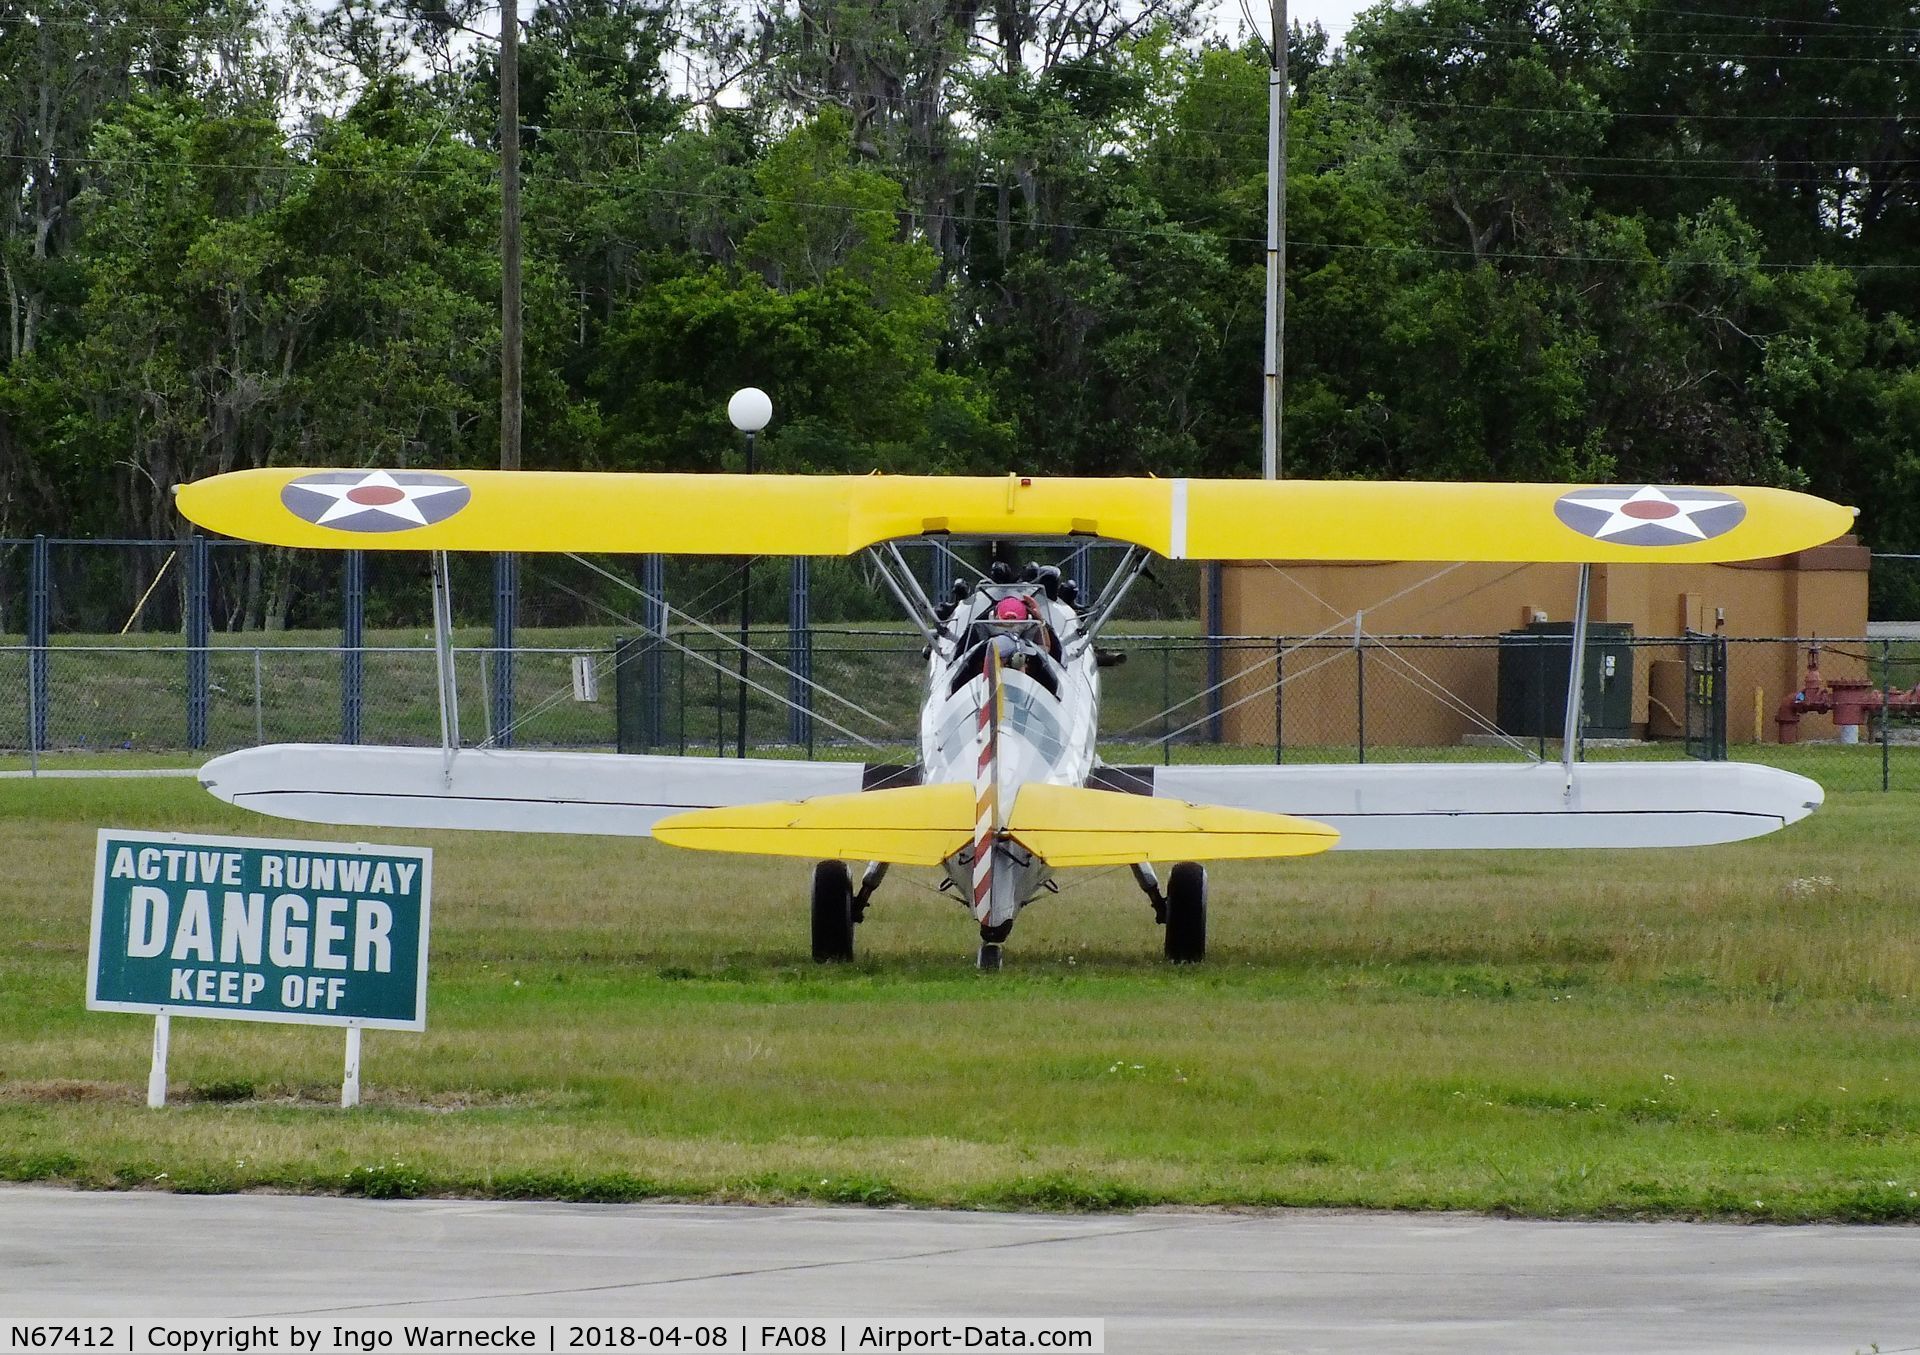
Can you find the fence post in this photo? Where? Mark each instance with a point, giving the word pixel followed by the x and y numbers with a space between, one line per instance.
pixel 1279 698
pixel 630 733
pixel 1540 672
pixel 940 578
pixel 653 668
pixel 800 652
pixel 39 628
pixel 1216 591
pixel 197 624
pixel 1360 693
pixel 1886 715
pixel 353 639
pixel 1719 711
pixel 506 608
pixel 1166 700
pixel 259 715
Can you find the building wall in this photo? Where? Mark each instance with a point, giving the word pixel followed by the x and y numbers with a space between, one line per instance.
pixel 1819 592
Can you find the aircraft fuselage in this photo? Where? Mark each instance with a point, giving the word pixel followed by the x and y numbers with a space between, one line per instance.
pixel 1038 684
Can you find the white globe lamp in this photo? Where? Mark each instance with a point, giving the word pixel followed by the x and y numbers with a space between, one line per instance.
pixel 750 409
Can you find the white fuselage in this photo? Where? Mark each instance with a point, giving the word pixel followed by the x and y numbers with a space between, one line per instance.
pixel 1043 724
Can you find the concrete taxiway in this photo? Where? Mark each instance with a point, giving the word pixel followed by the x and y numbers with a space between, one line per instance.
pixel 1163 1281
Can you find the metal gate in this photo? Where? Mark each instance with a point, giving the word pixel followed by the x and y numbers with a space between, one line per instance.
pixel 1706 696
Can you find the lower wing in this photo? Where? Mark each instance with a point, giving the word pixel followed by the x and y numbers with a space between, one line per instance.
pixel 513 790
pixel 1397 806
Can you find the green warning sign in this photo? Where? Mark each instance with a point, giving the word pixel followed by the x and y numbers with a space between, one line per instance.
pixel 254 929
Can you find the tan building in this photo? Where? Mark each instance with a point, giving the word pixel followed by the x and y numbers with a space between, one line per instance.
pixel 1419 695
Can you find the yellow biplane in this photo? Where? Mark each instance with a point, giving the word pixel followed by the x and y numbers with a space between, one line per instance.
pixel 1008 787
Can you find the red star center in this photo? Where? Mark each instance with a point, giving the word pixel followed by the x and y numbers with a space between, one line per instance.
pixel 1650 510
pixel 1648 504
pixel 377 492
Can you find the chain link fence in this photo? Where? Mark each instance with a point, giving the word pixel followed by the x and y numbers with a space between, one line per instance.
pixel 1170 698
pixel 139 647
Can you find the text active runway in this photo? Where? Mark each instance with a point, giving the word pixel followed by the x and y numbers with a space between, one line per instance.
pixel 1162 1281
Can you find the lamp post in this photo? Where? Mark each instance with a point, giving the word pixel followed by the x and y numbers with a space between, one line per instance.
pixel 748 410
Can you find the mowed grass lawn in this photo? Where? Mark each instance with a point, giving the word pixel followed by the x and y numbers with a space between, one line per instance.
pixel 1720 1032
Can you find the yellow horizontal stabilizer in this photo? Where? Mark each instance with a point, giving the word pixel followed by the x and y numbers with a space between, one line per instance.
pixel 1073 826
pixel 842 514
pixel 910 826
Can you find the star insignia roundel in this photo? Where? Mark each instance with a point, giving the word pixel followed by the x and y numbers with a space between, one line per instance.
pixel 1649 515
pixel 374 501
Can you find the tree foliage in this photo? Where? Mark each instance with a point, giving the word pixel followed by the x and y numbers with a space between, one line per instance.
pixel 1580 239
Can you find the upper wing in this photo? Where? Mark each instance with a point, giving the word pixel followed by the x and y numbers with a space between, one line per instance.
pixel 841 514
pixel 1433 806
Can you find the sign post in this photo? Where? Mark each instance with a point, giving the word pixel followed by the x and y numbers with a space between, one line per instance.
pixel 157 1071
pixel 350 1078
pixel 257 929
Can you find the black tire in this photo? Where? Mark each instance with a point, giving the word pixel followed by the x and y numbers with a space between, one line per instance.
pixel 1187 913
pixel 832 912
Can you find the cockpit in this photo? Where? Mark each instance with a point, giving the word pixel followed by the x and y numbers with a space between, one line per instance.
pixel 1017 619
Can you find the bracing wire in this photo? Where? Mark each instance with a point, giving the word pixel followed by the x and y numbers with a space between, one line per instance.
pixel 721 635
pixel 1344 623
pixel 692 653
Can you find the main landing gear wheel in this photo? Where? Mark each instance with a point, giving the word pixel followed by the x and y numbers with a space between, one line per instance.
pixel 832 912
pixel 1187 913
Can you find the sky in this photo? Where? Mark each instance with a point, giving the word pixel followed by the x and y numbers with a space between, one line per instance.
pixel 1334 15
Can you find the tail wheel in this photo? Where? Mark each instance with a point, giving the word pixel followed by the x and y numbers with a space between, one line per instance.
pixel 1187 913
pixel 832 912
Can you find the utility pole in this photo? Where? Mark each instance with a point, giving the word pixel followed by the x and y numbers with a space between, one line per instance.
pixel 509 235
pixel 1276 243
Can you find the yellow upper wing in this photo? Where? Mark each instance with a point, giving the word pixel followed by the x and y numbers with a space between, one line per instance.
pixel 841 514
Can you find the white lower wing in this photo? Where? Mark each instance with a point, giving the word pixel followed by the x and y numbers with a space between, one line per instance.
pixel 515 791
pixel 1425 806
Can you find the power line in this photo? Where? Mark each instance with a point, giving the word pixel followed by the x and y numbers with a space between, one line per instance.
pixel 1764 18
pixel 1466 34
pixel 1152 150
pixel 1614 113
pixel 1633 49
pixel 1565 37
pixel 1839 28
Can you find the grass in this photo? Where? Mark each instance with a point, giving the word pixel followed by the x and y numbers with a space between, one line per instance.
pixel 1726 1032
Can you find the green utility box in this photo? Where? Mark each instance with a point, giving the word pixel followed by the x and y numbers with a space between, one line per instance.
pixel 1533 680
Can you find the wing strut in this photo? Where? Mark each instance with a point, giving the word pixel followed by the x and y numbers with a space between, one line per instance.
pixel 1576 672
pixel 443 666
pixel 922 616
pixel 1132 565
